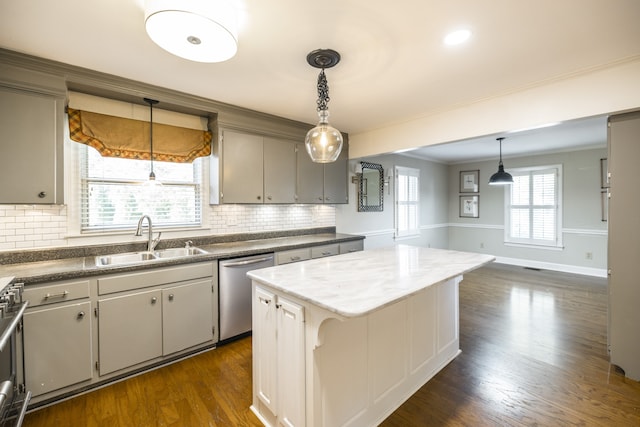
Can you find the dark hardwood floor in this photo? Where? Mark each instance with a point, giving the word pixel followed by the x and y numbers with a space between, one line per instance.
pixel 533 354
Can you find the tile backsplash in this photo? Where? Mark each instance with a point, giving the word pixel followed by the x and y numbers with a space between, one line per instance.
pixel 46 226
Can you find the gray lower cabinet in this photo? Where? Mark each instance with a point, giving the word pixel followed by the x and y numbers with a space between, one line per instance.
pixel 187 314
pixel 57 347
pixel 303 254
pixel 130 330
pixel 86 332
pixel 141 326
pixel 31 133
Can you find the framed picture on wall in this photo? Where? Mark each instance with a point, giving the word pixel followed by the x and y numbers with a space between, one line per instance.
pixel 469 206
pixel 469 181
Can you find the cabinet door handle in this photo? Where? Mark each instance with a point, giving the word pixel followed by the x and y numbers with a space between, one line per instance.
pixel 80 315
pixel 154 300
pixel 59 295
pixel 264 300
pixel 170 297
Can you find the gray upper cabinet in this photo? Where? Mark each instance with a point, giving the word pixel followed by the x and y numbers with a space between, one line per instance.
pixel 241 168
pixel 31 144
pixel 249 168
pixel 309 178
pixel 335 179
pixel 279 171
pixel 322 183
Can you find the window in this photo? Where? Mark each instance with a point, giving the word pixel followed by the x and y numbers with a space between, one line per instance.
pixel 533 211
pixel 113 194
pixel 407 201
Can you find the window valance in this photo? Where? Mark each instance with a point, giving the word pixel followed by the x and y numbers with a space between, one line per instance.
pixel 117 136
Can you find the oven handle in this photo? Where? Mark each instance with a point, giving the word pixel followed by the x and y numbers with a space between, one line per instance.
pixel 6 334
pixel 23 410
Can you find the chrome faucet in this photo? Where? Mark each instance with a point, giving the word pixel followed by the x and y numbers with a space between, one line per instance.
pixel 151 245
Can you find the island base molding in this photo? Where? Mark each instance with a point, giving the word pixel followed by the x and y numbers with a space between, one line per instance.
pixel 348 371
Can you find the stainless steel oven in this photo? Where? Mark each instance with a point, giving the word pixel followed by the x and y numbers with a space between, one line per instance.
pixel 13 396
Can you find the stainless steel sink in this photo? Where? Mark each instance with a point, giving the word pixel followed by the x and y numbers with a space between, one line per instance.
pixel 141 257
pixel 179 252
pixel 123 259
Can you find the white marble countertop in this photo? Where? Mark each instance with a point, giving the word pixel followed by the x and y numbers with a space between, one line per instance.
pixel 358 283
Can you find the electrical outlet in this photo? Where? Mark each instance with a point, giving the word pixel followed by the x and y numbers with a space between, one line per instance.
pixel 589 255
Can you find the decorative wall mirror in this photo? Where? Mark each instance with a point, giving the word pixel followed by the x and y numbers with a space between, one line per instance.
pixel 370 189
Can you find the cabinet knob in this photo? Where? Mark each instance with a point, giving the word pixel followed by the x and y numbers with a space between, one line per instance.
pixel 259 197
pixel 320 198
pixel 327 199
pixel 154 300
pixel 269 197
pixel 80 315
pixel 42 194
pixel 170 297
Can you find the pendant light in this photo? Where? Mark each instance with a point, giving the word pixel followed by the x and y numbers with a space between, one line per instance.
pixel 152 175
pixel 323 142
pixel 501 177
pixel 197 30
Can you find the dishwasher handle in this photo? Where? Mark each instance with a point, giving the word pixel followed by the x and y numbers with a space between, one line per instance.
pixel 248 262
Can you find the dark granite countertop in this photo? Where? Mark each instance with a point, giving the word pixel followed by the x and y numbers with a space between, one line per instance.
pixel 33 267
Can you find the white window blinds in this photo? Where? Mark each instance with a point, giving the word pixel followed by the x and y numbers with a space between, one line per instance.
pixel 113 195
pixel 407 201
pixel 533 210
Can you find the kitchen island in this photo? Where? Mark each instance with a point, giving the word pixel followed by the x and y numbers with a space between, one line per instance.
pixel 344 341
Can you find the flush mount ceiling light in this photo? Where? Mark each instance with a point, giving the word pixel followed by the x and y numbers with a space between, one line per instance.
pixel 152 176
pixel 501 177
pixel 323 142
pixel 198 30
pixel 457 37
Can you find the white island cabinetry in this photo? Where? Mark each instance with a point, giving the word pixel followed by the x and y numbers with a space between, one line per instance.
pixel 373 327
pixel 278 330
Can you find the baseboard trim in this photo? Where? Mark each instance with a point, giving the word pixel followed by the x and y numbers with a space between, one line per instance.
pixel 586 271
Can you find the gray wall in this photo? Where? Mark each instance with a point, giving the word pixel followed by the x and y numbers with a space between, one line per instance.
pixel 583 229
pixel 378 227
pixel 441 227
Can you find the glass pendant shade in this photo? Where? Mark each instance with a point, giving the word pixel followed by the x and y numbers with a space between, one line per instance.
pixel 323 142
pixel 197 30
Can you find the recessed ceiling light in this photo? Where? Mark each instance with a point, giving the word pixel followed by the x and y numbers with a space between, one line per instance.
pixel 457 37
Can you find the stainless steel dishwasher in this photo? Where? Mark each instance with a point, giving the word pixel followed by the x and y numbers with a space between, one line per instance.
pixel 235 293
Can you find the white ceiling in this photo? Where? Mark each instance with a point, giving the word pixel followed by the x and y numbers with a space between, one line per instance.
pixel 394 65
